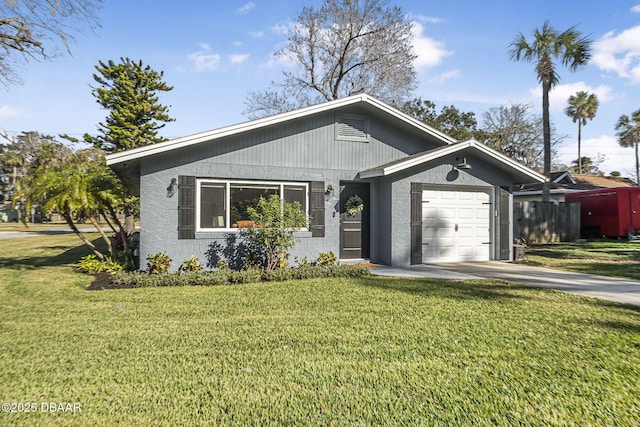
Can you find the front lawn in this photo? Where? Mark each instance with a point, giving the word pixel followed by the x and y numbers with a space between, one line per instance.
pixel 606 257
pixel 368 351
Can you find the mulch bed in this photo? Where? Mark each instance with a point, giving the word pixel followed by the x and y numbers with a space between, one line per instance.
pixel 103 281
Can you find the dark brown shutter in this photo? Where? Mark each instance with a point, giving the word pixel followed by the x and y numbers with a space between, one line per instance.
pixel 316 208
pixel 416 223
pixel 505 242
pixel 186 207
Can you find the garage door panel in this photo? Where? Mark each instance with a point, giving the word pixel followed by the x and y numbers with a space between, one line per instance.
pixel 456 225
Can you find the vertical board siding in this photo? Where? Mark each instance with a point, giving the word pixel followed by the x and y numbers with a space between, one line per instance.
pixel 308 144
pixel 543 222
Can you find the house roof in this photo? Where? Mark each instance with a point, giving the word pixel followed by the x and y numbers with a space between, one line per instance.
pixel 596 181
pixel 209 136
pixel 521 172
pixel 566 182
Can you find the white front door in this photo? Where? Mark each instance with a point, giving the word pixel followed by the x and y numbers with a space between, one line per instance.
pixel 456 225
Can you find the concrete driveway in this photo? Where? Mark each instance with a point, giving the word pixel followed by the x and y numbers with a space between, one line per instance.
pixel 607 288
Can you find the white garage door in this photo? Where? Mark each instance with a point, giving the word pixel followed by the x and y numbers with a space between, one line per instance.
pixel 456 226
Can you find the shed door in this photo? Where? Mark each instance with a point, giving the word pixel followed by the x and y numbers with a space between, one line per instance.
pixel 456 226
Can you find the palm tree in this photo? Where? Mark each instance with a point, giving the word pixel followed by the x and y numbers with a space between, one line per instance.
pixel 582 106
pixel 80 186
pixel 571 49
pixel 628 133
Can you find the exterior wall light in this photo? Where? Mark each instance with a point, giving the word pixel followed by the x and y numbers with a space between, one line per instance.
pixel 463 164
pixel 172 188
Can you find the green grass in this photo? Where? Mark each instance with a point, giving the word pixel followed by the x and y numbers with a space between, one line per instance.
pixel 607 257
pixel 371 351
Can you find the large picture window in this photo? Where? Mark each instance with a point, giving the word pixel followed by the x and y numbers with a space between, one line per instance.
pixel 222 205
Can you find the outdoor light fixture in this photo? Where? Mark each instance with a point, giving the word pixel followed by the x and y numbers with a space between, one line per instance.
pixel 329 189
pixel 463 165
pixel 172 188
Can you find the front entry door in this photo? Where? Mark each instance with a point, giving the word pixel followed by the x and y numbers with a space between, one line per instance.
pixel 354 229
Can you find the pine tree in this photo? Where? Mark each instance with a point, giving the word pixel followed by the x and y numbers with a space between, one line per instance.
pixel 129 91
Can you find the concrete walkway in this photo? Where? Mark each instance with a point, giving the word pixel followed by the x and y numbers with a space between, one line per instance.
pixel 607 288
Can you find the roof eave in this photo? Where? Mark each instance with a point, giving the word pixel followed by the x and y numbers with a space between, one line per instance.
pixel 445 151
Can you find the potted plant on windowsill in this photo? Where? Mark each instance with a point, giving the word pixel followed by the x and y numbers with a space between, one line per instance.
pixel 354 205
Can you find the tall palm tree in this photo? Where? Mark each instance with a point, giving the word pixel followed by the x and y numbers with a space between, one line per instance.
pixel 582 106
pixel 572 49
pixel 628 133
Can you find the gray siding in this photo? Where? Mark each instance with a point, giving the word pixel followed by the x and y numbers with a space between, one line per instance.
pixel 437 175
pixel 300 150
pixel 303 150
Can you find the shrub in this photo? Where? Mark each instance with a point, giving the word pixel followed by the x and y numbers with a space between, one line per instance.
pixel 191 264
pixel 275 223
pixel 227 276
pixel 91 264
pixel 327 258
pixel 158 263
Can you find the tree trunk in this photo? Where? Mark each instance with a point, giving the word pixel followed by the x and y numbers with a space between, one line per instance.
pixel 67 217
pixel 579 139
pixel 94 221
pixel 129 220
pixel 546 131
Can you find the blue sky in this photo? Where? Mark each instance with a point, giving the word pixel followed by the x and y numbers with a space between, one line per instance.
pixel 214 53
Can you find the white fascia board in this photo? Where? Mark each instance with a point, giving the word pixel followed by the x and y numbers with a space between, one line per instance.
pixel 414 161
pixel 508 160
pixel 451 149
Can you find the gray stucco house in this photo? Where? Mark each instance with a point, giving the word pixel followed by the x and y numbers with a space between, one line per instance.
pixel 427 197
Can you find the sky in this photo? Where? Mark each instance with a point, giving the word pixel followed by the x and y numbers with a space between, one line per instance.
pixel 214 53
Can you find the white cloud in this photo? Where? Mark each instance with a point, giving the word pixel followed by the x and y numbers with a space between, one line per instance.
pixel 204 60
pixel 427 19
pixel 443 77
pixel 7 112
pixel 282 29
pixel 430 52
pixel 616 158
pixel 256 34
pixel 560 94
pixel 247 7
pixel 238 58
pixel 636 8
pixel 620 53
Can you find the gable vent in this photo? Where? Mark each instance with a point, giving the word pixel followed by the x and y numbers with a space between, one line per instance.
pixel 352 128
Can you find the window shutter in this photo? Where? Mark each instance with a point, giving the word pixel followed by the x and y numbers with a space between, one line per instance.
pixel 186 207
pixel 316 208
pixel 416 223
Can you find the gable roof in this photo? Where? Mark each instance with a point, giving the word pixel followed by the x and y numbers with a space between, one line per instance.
pixel 209 136
pixel 565 182
pixel 523 173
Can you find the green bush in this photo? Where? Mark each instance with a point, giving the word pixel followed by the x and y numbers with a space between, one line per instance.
pixel 233 277
pixel 91 264
pixel 327 258
pixel 275 223
pixel 158 263
pixel 191 264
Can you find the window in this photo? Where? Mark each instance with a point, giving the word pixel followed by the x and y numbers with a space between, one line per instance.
pixel 222 205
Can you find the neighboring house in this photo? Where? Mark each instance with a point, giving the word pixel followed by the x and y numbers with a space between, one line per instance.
pixel 564 182
pixel 427 198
